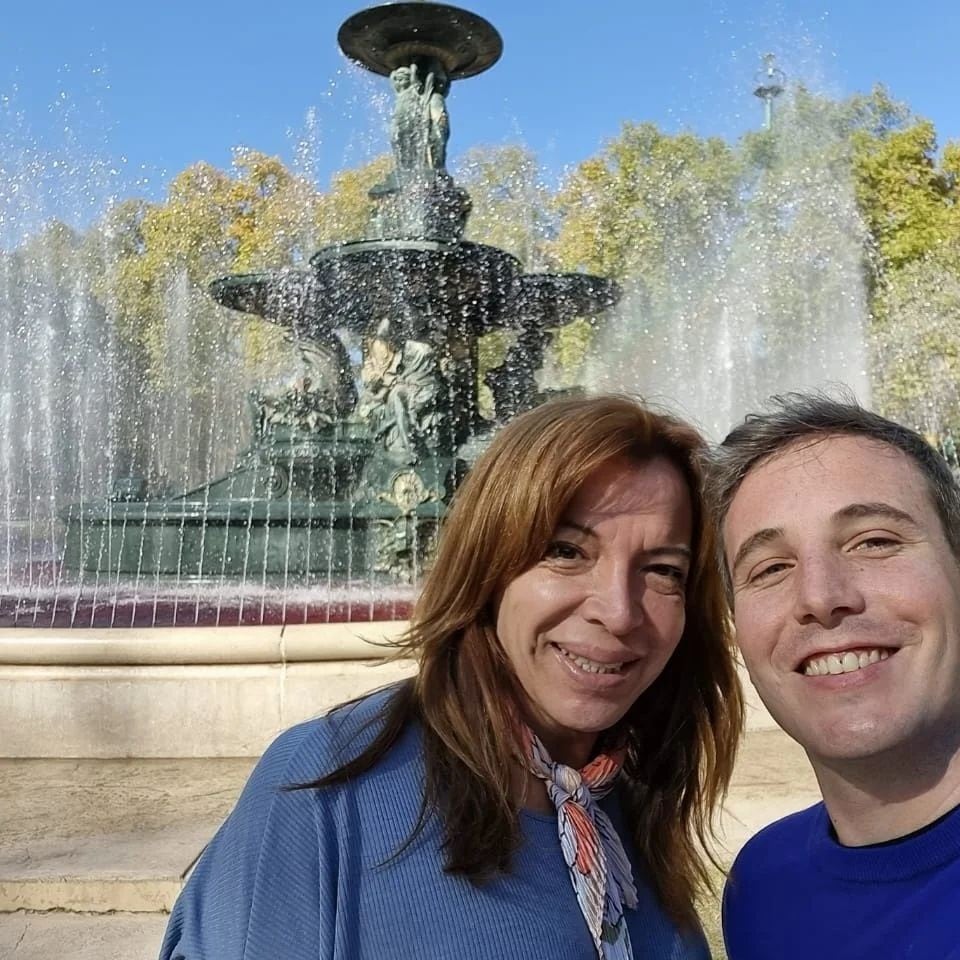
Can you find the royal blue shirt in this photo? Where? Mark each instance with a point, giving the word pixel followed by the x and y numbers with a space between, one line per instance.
pixel 316 874
pixel 795 893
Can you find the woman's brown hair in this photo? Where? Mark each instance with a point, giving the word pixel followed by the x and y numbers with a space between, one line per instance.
pixel 682 732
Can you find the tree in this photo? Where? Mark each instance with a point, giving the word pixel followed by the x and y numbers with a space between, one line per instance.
pixel 512 209
pixel 905 197
pixel 646 200
pixel 917 344
pixel 649 211
pixel 512 206
pixel 195 360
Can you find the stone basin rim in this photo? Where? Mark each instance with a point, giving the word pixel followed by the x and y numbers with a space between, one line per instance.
pixel 392 35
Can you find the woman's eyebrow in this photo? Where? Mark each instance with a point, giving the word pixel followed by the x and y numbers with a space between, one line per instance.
pixel 580 527
pixel 681 549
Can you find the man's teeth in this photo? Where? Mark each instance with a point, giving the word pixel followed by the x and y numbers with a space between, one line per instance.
pixel 834 663
pixel 591 666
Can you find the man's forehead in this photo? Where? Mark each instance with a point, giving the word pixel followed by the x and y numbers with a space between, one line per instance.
pixel 827 475
pixel 848 456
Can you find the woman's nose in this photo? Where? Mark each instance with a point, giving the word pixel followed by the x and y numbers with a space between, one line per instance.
pixel 615 601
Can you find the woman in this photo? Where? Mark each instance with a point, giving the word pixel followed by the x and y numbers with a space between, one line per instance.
pixel 546 784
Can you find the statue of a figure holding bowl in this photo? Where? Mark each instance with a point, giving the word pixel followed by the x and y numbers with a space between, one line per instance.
pixel 420 126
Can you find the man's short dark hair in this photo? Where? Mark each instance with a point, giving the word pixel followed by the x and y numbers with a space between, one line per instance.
pixel 798 417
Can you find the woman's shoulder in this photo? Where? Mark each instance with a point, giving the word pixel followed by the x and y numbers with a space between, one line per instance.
pixel 316 747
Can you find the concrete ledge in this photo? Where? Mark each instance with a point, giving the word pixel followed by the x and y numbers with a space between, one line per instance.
pixel 105 835
pixel 119 936
pixel 181 692
pixel 230 710
pixel 191 692
pixel 41 646
pixel 89 896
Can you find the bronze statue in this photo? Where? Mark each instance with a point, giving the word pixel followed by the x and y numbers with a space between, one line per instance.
pixel 401 387
pixel 407 132
pixel 420 126
pixel 437 119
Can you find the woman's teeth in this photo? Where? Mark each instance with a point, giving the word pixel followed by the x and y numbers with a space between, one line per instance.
pixel 834 663
pixel 591 666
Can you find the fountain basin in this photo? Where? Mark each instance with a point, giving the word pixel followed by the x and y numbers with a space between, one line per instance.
pixel 389 36
pixel 463 287
pixel 238 538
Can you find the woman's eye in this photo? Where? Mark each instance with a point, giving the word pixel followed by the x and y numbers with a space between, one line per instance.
pixel 561 550
pixel 676 574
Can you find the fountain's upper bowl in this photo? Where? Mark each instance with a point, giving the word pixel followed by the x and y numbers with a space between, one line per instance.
pixel 397 34
pixel 353 285
pixel 553 299
pixel 476 287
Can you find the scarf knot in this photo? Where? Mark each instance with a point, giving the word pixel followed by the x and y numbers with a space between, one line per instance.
pixel 599 868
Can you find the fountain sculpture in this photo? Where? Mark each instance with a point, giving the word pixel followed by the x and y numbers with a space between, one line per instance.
pixel 343 477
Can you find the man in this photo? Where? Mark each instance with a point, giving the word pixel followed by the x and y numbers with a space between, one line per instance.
pixel 841 538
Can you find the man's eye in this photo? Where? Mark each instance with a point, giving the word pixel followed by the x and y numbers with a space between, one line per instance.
pixel 561 550
pixel 877 542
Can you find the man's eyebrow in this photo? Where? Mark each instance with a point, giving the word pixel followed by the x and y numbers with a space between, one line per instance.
pixel 860 511
pixel 755 540
pixel 853 511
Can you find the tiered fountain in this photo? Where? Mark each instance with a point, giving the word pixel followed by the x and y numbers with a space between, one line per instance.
pixel 344 478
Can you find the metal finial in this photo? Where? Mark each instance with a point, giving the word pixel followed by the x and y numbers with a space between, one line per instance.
pixel 770 81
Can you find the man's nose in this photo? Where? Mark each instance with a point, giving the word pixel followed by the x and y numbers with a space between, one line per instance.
pixel 616 599
pixel 827 590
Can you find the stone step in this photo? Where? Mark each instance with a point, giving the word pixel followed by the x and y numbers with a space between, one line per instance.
pixel 108 835
pixel 99 836
pixel 81 936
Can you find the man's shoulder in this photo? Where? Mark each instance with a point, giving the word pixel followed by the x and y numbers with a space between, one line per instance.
pixel 769 883
pixel 778 846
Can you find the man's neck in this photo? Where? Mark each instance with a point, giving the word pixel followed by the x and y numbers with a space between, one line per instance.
pixel 877 799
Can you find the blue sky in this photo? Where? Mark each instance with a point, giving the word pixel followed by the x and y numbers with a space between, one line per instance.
pixel 124 95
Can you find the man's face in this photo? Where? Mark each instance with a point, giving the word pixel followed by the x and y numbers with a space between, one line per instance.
pixel 847 599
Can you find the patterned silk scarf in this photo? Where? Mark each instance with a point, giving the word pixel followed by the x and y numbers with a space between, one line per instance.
pixel 599 869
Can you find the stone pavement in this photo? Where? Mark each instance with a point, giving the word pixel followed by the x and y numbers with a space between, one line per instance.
pixel 93 852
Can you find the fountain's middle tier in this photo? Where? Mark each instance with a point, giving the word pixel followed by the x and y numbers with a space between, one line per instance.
pixel 424 287
pixel 430 283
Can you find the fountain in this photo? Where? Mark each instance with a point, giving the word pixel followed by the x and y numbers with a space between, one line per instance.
pixel 315 536
pixel 347 481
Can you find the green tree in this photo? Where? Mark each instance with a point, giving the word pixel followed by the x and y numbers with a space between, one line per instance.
pixel 648 211
pixel 512 206
pixel 910 199
pixel 647 199
pixel 917 342
pixel 905 196
pixel 157 261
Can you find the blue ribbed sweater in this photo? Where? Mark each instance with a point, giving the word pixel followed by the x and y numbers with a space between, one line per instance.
pixel 796 894
pixel 308 874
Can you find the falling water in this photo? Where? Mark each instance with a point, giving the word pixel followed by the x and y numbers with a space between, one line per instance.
pixel 774 301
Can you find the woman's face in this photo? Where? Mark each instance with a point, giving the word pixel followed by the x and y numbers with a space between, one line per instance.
pixel 591 625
